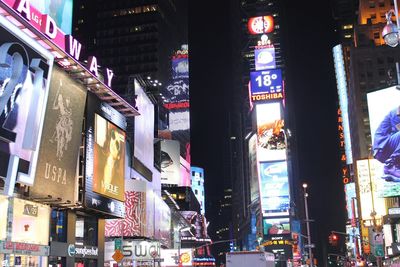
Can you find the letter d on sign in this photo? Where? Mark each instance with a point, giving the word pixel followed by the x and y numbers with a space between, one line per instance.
pixel 49 26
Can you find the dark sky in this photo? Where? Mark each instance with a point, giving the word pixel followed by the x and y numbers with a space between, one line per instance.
pixel 310 82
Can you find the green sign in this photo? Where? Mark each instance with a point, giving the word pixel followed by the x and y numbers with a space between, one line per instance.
pixel 118 244
pixel 379 251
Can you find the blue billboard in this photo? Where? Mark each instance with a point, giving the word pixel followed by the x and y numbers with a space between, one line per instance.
pixel 264 58
pixel 274 188
pixel 180 68
pixel 266 85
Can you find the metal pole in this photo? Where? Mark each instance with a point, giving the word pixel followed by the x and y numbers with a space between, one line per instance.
pixel 310 256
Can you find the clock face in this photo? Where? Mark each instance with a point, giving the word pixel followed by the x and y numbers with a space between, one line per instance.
pixel 259 25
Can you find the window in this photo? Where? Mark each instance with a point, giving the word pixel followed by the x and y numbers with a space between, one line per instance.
pixel 381 72
pixel 58 226
pixel 373 16
pixel 376 35
pixel 381 3
pixel 198 182
pixel 196 192
pixel 371 4
pixel 86 230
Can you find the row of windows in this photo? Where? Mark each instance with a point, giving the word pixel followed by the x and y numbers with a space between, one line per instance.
pixel 128 11
pixel 372 4
pixel 146 28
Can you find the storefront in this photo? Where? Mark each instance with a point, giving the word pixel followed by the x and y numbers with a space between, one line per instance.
pixel 25 233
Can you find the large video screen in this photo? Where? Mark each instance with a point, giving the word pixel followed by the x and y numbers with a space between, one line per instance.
pixel 384 117
pixel 109 159
pixel 59 10
pixel 271 138
pixel 274 188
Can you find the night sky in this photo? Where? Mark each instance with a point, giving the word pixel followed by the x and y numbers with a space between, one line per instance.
pixel 310 81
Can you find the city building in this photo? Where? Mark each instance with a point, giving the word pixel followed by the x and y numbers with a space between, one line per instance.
pixel 366 70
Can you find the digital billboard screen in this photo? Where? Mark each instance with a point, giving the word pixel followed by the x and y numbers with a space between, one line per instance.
pixel 274 188
pixel 265 58
pixel 180 68
pixel 105 157
pixel 170 162
pixel 384 111
pixel 59 10
pixel 109 159
pixel 271 137
pixel 253 164
pixel 176 91
pixel 266 85
pixel 260 25
pixel 276 226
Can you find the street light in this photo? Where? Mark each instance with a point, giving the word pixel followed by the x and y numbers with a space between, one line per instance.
pixel 310 256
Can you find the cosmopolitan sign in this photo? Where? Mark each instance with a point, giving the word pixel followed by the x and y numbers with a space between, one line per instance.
pixel 47 25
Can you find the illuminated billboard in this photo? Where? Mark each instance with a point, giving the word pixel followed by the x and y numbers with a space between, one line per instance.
pixel 109 159
pixel 266 85
pixel 271 138
pixel 162 222
pixel 274 188
pixel 170 257
pixel 383 109
pixel 56 172
pixel 180 68
pixel 24 77
pixel 134 223
pixel 253 164
pixel 3 217
pixel 276 226
pixel 179 121
pixel 341 81
pixel 351 203
pixel 105 157
pixel 144 128
pixel 177 91
pixel 170 162
pixel 260 25
pixel 59 10
pixel 265 58
pixel 368 171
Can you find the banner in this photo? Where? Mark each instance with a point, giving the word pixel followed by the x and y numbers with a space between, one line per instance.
pixel 56 173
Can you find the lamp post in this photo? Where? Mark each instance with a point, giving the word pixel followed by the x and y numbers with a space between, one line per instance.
pixel 310 256
pixel 390 33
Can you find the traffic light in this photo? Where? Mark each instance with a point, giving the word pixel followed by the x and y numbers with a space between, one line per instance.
pixel 333 239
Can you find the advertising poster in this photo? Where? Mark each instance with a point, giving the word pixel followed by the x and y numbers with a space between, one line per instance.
pixel 264 58
pixel 271 138
pixel 261 24
pixel 177 91
pixel 59 10
pixel 105 157
pixel 31 222
pixel 274 188
pixel 170 257
pixel 253 163
pixel 135 222
pixel 350 192
pixel 3 217
pixel 179 120
pixel 109 159
pixel 368 175
pixel 144 128
pixel 384 111
pixel 24 87
pixel 276 226
pixel 170 162
pixel 180 67
pixel 56 172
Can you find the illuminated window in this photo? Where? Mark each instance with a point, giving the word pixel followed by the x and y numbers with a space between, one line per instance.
pixel 371 4
pixel 181 196
pixel 80 21
pixel 347 27
pixel 348 36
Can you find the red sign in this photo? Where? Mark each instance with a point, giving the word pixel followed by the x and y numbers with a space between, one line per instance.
pixel 259 25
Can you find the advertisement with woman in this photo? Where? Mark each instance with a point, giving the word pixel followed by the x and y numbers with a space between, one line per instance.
pixel 384 116
pixel 109 159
